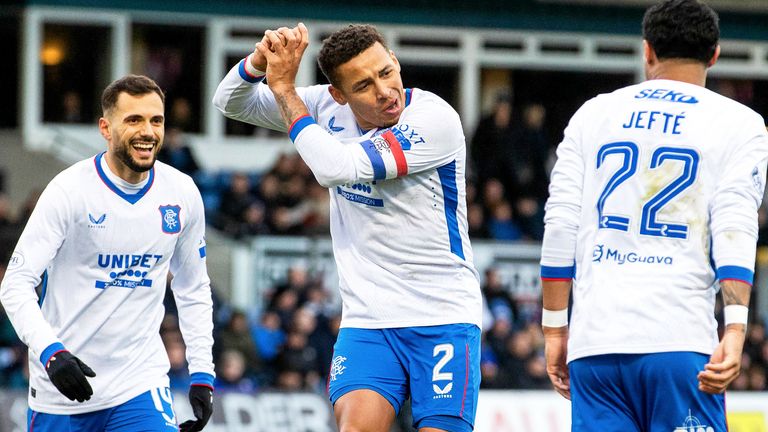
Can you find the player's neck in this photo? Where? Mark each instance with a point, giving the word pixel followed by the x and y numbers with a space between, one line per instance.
pixel 679 70
pixel 121 170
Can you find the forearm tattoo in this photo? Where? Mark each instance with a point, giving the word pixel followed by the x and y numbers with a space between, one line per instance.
pixel 291 106
pixel 735 293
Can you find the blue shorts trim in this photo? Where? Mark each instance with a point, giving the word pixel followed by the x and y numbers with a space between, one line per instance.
pixel 448 423
pixel 392 399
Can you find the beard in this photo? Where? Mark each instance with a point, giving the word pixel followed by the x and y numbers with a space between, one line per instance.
pixel 123 153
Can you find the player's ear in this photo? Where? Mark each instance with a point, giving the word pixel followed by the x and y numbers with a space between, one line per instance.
pixel 104 129
pixel 649 54
pixel 337 95
pixel 714 58
pixel 394 60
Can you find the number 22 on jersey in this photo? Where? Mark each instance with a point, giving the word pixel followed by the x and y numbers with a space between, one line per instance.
pixel 649 224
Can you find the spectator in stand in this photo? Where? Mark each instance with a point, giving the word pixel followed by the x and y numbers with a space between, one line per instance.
pixel 497 336
pixel 498 297
pixel 231 374
pixel 269 191
pixel 491 145
pixel 296 280
pixel 178 374
pixel 493 194
pixel 72 108
pixel 235 204
pixel 319 338
pixel 236 336
pixel 284 304
pixel 299 356
pixel 177 153
pixel 757 378
pixel 317 301
pixel 489 368
pixel 763 358
pixel 290 381
pixel 316 210
pixel 529 216
pixel 536 370
pixel 254 220
pixel 514 359
pixel 181 115
pixel 501 224
pixel 753 344
pixel 530 149
pixel 477 226
pixel 268 335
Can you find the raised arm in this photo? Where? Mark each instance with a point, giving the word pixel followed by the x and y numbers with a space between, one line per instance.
pixel 243 96
pixel 426 136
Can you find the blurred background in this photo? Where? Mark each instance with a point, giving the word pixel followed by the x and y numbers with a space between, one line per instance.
pixel 514 70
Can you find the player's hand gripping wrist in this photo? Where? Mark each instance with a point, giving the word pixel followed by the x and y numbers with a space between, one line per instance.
pixel 68 374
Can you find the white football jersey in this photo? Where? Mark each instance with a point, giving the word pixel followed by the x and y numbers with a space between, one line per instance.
pixel 398 203
pixel 104 255
pixel 657 185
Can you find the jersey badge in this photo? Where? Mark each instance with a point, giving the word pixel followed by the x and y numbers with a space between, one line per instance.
pixel 170 219
pixel 757 180
pixel 337 368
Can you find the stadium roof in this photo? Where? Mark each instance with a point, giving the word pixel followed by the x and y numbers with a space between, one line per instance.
pixel 602 16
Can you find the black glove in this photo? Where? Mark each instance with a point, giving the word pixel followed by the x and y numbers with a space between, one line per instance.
pixel 68 374
pixel 201 399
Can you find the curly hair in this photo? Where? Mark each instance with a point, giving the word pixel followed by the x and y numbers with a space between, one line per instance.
pixel 343 45
pixel 684 29
pixel 134 85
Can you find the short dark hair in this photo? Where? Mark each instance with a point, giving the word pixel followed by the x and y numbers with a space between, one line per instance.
pixel 343 45
pixel 685 29
pixel 134 85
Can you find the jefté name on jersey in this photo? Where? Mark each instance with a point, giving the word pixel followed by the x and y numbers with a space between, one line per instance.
pixel 668 123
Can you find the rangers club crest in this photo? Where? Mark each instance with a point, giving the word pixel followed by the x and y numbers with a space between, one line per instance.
pixel 169 216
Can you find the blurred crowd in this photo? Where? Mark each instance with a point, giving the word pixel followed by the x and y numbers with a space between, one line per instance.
pixel 288 343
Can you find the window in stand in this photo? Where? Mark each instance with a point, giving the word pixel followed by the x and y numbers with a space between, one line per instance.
pixel 752 93
pixel 9 73
pixel 440 80
pixel 76 62
pixel 172 56
pixel 563 92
